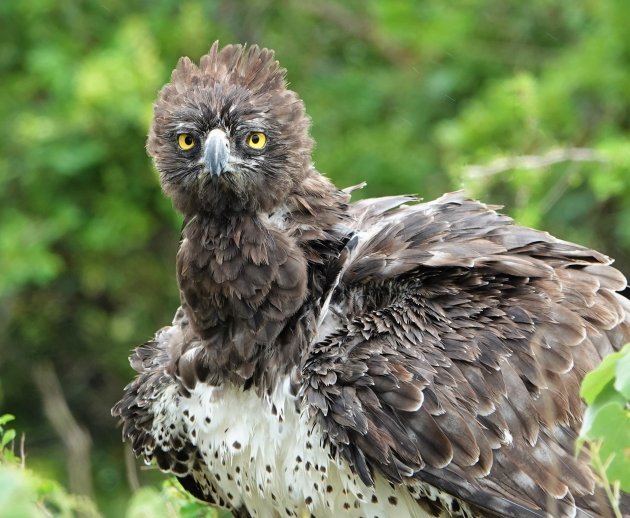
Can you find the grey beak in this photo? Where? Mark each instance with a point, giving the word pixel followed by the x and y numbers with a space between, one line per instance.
pixel 216 152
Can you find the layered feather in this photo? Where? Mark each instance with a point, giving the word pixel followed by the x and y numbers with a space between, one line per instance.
pixel 414 358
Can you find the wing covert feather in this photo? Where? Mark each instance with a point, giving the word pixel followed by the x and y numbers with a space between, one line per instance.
pixel 460 353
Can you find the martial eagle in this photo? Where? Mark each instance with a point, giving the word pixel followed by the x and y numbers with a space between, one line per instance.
pixel 378 358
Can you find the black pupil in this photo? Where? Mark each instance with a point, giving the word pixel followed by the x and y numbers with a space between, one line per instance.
pixel 188 140
pixel 255 138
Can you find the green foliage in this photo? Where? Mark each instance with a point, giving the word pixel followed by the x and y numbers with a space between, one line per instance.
pixel 573 99
pixel 606 391
pixel 406 95
pixel 170 502
pixel 7 435
pixel 26 494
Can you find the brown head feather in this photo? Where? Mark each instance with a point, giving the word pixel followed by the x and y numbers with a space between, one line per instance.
pixel 238 90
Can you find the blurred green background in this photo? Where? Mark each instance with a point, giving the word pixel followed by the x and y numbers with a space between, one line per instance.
pixel 525 104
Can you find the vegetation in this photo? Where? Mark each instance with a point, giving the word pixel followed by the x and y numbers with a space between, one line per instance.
pixel 25 494
pixel 525 104
pixel 606 426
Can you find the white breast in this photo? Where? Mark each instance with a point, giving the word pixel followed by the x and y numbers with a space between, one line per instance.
pixel 263 453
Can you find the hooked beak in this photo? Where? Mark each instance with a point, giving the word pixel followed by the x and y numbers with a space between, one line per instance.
pixel 216 152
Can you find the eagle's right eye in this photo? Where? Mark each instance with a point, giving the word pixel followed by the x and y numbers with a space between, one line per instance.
pixel 186 141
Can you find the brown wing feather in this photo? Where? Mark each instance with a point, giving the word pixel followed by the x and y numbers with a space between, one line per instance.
pixel 461 354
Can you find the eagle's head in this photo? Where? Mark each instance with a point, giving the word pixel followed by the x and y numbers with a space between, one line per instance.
pixel 227 134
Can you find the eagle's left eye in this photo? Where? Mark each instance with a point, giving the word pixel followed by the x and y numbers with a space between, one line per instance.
pixel 256 140
pixel 186 141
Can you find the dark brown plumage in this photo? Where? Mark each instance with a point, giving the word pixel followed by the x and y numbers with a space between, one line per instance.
pixel 382 357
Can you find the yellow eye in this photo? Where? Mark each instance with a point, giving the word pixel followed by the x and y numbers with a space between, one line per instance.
pixel 256 140
pixel 186 141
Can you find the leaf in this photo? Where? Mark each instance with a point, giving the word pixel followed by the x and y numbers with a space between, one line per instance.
pixel 622 371
pixel 7 437
pixel 595 381
pixel 147 502
pixel 611 425
pixel 607 395
pixel 6 418
pixel 18 495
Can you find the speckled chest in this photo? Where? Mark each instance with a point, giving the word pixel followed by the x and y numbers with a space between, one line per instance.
pixel 265 455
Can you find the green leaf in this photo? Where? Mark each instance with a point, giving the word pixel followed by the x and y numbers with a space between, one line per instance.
pixel 17 494
pixel 6 418
pixel 622 372
pixel 607 395
pixel 7 437
pixel 611 425
pixel 597 380
pixel 147 502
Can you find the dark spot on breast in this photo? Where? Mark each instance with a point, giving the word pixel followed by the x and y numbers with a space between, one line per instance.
pixel 208 420
pixel 374 499
pixel 346 505
pixel 298 458
pixel 329 488
pixel 238 469
pixel 268 468
pixel 308 500
pixel 393 500
pixel 236 445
